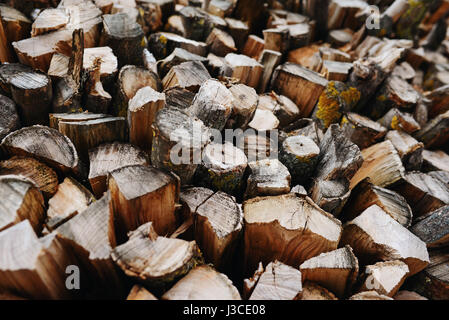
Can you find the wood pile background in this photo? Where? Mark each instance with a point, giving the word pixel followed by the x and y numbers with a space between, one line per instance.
pixel 350 201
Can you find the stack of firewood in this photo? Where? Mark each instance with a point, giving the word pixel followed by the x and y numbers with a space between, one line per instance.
pixel 336 188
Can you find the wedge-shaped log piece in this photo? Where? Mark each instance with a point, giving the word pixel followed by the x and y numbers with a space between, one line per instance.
pixel 250 283
pixel 40 174
pixel 386 278
pixel 276 39
pixel 264 120
pixel 267 177
pixel 282 107
pixel 33 267
pixel 408 295
pixel 96 99
pixel 153 260
pixel 109 157
pixel 409 149
pixel 288 228
pixel 90 134
pixel 151 197
pixel 442 176
pixel 45 144
pixel 436 132
pixel 365 194
pixel 162 44
pixel 336 71
pixel 203 283
pixel 55 118
pixel 70 199
pixel 335 270
pixel 369 295
pixel 177 57
pixel 433 228
pixel 90 236
pixel 270 60
pixel 140 293
pixel 312 291
pixel 439 100
pixel 22 200
pixel 397 120
pixel 239 31
pixel 253 47
pixel 220 43
pixel 244 106
pixel 188 75
pixel 423 192
pixel 141 115
pixel 16 26
pixel 435 160
pixel 301 85
pixel 361 130
pixel 9 119
pixel 306 127
pixel 375 236
pixel 381 163
pixel 247 70
pixel 49 20
pixel 278 282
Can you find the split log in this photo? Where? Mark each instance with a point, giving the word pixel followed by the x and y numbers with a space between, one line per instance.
pixel 109 157
pixel 188 75
pixel 288 228
pixel 177 57
pixel 140 293
pixel 16 26
pixel 220 43
pixel 300 155
pixel 335 270
pixel 267 177
pixel 180 98
pixel 40 174
pixel 203 283
pixel 397 120
pixel 104 5
pixel 338 71
pixel 197 23
pixel 343 14
pixel 423 192
pixel 86 135
pixel 175 132
pixel 276 39
pixel 339 38
pixel 436 132
pixel 369 295
pixel 331 54
pixel 250 283
pixel 312 291
pixel 407 25
pixel 408 295
pixel 141 115
pixel 278 282
pixel 404 71
pixel 269 59
pixel 247 70
pixel 264 120
pixel 386 278
pixel 438 100
pixel 282 107
pixel 433 228
pixel 366 194
pixel 222 168
pixel 96 99
pixel 308 57
pixel 55 118
pixel 130 80
pixel 215 64
pixel 435 160
pixel 31 91
pixel 362 130
pixel 174 25
pixel 154 13
pixel 239 31
pixel 259 146
pixel 301 85
pixel 300 34
pixel 442 176
pixel 70 199
pixel 213 104
pixel 149 61
pixel 381 164
pixel 46 145
pixel 162 44
pixel 152 197
pixel 9 119
pixel 124 37
pixel 410 150
pixel 244 106
pixel 49 20
pixel 22 200
pixel 253 47
pixel 375 236
pixel 155 261
pixel 306 127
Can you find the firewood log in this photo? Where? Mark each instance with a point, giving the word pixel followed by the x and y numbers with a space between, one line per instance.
pixel 70 199
pixel 31 91
pixel 96 99
pixel 162 44
pixel 239 31
pixel 153 260
pixel 141 114
pixel 179 98
pixel 175 131
pixel 423 192
pixel 9 119
pixel 140 293
pixel 268 236
pixel 442 176
pixel 124 37
pixel 150 198
pixel 438 100
pixel 306 127
pixel 432 228
pixel 55 118
pixel 213 104
pixel 397 120
pixel 215 64
pixel 338 71
pixel 369 295
pixel 375 236
pixel 259 146
pixel 339 38
pixel 362 130
pixel 188 75
pixel 177 57
pixel 278 282
pixel 22 200
pixel 33 267
pixel 381 164
pixel 331 54
pixel 220 42
pixel 409 149
pixel 270 60
pixel 342 14
pixel 282 107
pixel 247 70
pixel 174 25
pixel 203 283
pixel 244 106
pixel 308 57
pixel 404 71
pixel 219 8
pixel 384 277
pixel 130 80
pixel 365 194
pixel 49 20
pixel 104 5
pixel 435 160
pixel 436 132
pixel 16 26
pixel 155 13
pixel 250 283
pixel 40 174
pixel 223 167
pixel 406 26
pixel 312 291
pixel 335 270
pixel 90 236
pixel 276 39
pixel 267 177
pixel 264 120
pixel 46 145
pixel 197 23
pixel 86 135
pixel 109 157
pixel 408 295
pixel 301 85
pixel 253 47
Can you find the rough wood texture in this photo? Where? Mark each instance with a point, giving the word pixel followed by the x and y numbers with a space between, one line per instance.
pixel 55 118
pixel 270 60
pixel 188 75
pixel 220 43
pixel 312 291
pixel 436 132
pixel 97 99
pixel 409 149
pixel 433 228
pixel 16 26
pixel 253 47
pixel 397 120
pixel 361 130
pixel 244 106
pixel 285 110
pixel 247 70
pixel 435 160
pixel 9 118
pixel 49 20
pixel 140 293
pixel 162 44
pixel 177 57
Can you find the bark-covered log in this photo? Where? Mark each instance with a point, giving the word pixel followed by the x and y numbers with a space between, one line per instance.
pixel 361 130
pixel 197 23
pixel 9 118
pixel 409 149
pixel 55 118
pixel 188 75
pixel 162 44
pixel 238 30
pixel 179 98
pixel 244 106
pixel 436 132
pixel 433 228
pixel 397 120
pixel 276 39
